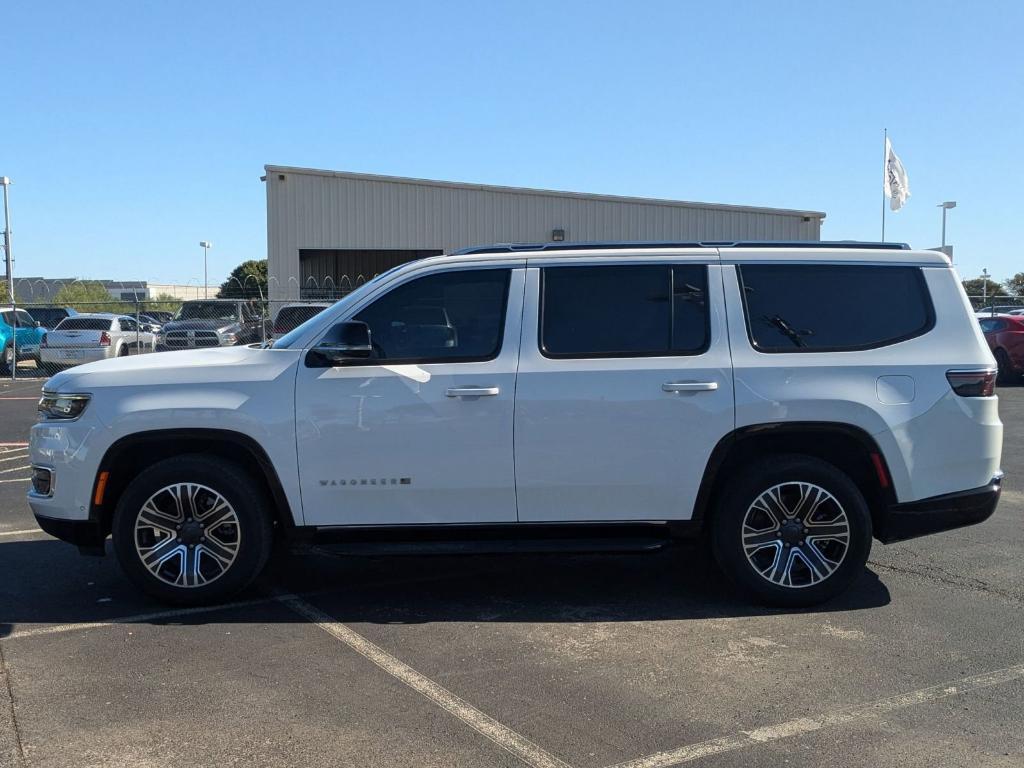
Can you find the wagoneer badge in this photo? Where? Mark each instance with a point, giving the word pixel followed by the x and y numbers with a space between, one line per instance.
pixel 368 481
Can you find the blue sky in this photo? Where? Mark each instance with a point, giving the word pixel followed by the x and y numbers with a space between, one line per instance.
pixel 134 130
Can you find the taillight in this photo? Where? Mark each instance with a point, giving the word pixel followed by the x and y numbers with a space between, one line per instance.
pixel 972 383
pixel 104 339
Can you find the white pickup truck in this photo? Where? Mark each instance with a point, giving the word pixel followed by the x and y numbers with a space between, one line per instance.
pixel 792 400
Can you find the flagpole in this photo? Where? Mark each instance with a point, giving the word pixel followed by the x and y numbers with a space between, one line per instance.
pixel 885 174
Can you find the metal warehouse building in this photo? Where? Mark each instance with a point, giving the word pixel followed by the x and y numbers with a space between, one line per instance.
pixel 330 230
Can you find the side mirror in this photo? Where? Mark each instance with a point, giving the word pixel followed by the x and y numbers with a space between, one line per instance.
pixel 349 340
pixel 36 324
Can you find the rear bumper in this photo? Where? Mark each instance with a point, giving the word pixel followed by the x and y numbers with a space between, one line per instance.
pixel 939 513
pixel 84 534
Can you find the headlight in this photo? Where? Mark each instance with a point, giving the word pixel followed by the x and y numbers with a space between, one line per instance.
pixel 61 407
pixel 228 337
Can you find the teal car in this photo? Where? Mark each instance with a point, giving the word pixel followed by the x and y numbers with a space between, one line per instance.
pixel 18 331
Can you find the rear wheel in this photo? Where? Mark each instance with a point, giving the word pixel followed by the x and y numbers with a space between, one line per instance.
pixel 792 531
pixel 7 360
pixel 123 351
pixel 192 529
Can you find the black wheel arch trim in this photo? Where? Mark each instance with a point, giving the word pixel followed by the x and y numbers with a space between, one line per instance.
pixel 721 451
pixel 245 442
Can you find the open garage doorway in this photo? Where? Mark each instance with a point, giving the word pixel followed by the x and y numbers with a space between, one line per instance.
pixel 331 273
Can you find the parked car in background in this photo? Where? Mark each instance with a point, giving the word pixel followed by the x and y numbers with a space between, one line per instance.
pixel 20 335
pixel 160 315
pixel 212 323
pixel 291 316
pixel 85 338
pixel 150 323
pixel 50 317
pixel 999 309
pixel 1005 337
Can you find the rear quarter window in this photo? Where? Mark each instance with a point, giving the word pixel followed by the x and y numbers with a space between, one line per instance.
pixel 833 307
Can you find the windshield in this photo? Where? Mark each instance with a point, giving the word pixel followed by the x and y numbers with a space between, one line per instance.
pixel 286 341
pixel 207 310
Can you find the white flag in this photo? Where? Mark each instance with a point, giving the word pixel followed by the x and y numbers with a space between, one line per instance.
pixel 896 184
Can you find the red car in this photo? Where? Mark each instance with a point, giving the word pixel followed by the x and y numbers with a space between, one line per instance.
pixel 1005 337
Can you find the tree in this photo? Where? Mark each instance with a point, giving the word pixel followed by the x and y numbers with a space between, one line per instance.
pixel 247 281
pixel 90 296
pixel 1015 285
pixel 164 302
pixel 978 288
pixel 4 298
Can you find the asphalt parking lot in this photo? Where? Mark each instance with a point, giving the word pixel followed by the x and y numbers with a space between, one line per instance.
pixel 638 661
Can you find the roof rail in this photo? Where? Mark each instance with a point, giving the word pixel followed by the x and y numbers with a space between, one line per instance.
pixel 638 244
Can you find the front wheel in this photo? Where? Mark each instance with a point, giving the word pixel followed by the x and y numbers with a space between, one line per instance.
pixel 192 530
pixel 7 360
pixel 792 531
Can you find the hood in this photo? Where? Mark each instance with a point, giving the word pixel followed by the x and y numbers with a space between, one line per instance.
pixel 199 325
pixel 216 365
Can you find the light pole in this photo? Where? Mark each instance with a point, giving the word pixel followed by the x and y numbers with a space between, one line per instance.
pixel 945 207
pixel 206 245
pixel 984 287
pixel 8 259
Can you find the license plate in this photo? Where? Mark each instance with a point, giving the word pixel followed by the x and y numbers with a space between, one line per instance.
pixel 70 354
pixel 29 349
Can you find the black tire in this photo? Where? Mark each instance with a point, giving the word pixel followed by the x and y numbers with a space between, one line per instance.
pixel 1005 375
pixel 123 351
pixel 6 360
pixel 253 532
pixel 727 532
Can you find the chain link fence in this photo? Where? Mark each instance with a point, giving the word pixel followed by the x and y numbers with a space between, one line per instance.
pixel 264 319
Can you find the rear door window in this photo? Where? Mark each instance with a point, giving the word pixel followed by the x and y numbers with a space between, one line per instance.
pixel 624 311
pixel 833 307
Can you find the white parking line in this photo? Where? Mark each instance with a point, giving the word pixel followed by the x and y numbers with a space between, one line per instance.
pixel 483 724
pixel 14 469
pixel 21 533
pixel 11 457
pixel 17 480
pixel 13 445
pixel 60 629
pixel 140 618
pixel 803 725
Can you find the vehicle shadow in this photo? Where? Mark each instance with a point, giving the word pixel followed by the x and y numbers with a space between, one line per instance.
pixel 47 582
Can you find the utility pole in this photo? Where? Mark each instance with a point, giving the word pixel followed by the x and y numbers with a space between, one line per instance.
pixel 206 245
pixel 9 260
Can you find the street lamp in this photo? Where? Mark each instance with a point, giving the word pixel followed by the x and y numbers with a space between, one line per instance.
pixel 8 259
pixel 206 245
pixel 945 207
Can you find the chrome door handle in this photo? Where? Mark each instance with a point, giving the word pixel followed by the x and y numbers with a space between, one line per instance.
pixel 472 391
pixel 689 386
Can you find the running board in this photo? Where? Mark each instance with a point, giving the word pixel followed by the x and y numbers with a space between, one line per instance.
pixel 492 547
pixel 505 538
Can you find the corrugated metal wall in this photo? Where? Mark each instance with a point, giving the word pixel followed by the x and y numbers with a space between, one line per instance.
pixel 323 210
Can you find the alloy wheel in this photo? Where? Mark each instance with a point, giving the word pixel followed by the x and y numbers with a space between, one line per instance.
pixel 795 534
pixel 187 535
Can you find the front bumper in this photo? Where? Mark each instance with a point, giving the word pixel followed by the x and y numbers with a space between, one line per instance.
pixel 84 534
pixel 939 513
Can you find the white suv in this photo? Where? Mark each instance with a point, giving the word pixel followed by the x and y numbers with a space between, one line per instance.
pixel 791 400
